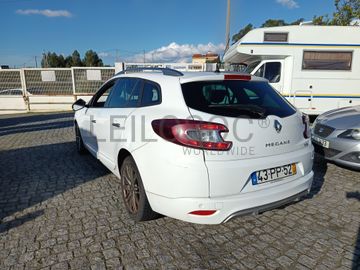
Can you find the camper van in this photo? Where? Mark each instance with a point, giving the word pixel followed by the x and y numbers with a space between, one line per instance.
pixel 317 68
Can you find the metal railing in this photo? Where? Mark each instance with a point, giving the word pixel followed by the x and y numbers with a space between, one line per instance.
pixel 36 86
pixel 11 82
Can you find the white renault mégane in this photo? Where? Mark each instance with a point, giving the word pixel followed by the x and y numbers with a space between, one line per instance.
pixel 201 147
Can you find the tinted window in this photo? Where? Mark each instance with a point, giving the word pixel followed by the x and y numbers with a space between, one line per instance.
pixel 103 96
pixel 126 93
pixel 276 37
pixel 236 98
pixel 270 71
pixel 251 66
pixel 327 60
pixel 151 94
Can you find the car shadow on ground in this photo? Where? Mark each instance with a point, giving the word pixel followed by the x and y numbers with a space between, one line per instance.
pixel 320 168
pixel 13 120
pixel 32 175
pixel 23 124
pixel 356 256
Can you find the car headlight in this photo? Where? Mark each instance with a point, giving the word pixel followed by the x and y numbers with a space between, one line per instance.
pixel 351 134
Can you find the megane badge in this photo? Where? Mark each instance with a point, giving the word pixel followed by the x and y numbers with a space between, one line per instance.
pixel 277 126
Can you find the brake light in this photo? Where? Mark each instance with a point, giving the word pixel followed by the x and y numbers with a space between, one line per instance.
pixel 237 77
pixel 202 212
pixel 306 122
pixel 192 133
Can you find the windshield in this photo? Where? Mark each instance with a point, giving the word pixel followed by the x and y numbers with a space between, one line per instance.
pixel 251 66
pixel 236 98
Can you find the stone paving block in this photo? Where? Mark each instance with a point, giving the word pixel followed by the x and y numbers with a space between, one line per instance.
pixel 62 210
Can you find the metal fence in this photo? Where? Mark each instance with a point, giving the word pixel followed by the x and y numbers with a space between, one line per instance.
pixel 48 82
pixel 88 80
pixel 11 82
pixel 61 86
pixel 53 81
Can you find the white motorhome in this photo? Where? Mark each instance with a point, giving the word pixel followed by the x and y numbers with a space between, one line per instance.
pixel 317 68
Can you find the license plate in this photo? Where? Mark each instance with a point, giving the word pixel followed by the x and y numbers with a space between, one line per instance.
pixel 272 174
pixel 320 141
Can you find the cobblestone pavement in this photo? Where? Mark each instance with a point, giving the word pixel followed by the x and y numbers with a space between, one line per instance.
pixel 59 210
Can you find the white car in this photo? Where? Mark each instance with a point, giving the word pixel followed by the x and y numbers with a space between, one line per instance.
pixel 199 147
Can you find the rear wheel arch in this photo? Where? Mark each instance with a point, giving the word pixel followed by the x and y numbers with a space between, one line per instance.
pixel 123 153
pixel 135 190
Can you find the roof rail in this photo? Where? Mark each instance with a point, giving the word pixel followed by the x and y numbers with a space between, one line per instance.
pixel 165 71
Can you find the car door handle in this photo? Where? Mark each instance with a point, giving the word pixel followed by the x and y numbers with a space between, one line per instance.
pixel 116 125
pixel 93 121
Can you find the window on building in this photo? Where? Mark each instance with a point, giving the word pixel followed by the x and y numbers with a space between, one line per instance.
pixel 276 37
pixel 327 60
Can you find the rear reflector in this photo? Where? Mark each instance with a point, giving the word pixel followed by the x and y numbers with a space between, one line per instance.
pixel 237 77
pixel 202 212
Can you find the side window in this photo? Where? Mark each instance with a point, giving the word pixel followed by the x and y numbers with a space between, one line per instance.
pixel 103 97
pixel 273 71
pixel 270 71
pixel 151 94
pixel 126 93
pixel 327 60
pixel 260 71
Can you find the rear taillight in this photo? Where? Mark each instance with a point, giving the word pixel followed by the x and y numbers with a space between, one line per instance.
pixel 306 122
pixel 192 133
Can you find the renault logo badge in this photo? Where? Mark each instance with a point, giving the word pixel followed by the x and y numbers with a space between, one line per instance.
pixel 277 126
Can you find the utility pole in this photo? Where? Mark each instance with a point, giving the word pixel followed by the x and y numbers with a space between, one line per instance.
pixel 144 57
pixel 227 35
pixel 35 61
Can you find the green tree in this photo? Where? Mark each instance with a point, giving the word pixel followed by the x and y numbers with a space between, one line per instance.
pixel 273 23
pixel 242 32
pixel 297 22
pixel 61 61
pixel 76 59
pixel 50 60
pixel 68 60
pixel 92 59
pixel 345 12
pixel 321 20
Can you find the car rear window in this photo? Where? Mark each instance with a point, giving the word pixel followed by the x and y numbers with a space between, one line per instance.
pixel 236 98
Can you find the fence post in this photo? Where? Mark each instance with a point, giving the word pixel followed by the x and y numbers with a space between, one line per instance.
pixel 24 89
pixel 73 83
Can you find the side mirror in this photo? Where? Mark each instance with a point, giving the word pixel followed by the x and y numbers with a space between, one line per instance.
pixel 78 105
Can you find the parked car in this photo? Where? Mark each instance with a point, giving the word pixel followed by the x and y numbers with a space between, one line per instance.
pixel 199 147
pixel 336 136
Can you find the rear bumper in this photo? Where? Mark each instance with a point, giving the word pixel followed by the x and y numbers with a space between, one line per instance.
pixel 230 206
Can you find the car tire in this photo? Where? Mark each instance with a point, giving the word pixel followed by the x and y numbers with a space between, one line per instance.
pixel 133 192
pixel 80 147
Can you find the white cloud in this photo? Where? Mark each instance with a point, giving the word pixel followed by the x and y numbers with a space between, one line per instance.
pixel 288 3
pixel 176 52
pixel 45 12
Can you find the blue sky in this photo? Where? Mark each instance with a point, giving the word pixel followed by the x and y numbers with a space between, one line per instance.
pixel 168 30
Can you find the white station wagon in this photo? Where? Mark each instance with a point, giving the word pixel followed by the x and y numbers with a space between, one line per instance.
pixel 201 147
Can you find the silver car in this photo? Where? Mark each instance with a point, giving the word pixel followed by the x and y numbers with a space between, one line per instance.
pixel 336 136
